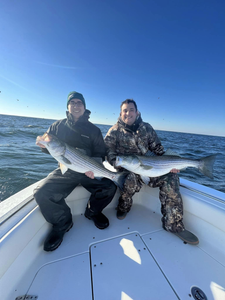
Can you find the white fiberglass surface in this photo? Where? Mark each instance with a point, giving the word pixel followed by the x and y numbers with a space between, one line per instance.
pixel 68 279
pixel 123 268
pixel 186 266
pixel 174 266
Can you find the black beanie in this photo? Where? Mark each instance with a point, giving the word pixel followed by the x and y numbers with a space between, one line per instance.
pixel 75 95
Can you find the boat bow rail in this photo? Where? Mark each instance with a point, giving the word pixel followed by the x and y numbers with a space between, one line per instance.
pixel 203 190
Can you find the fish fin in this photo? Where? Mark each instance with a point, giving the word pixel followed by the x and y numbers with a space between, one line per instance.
pixel 98 159
pixel 206 165
pixel 66 161
pixel 145 179
pixel 150 153
pixel 171 152
pixel 82 151
pixel 63 168
pixel 120 179
pixel 146 168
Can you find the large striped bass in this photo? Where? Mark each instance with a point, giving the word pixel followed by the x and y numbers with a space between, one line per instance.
pixel 76 160
pixel 154 166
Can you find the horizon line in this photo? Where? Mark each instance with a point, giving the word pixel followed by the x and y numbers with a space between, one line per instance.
pixel 113 124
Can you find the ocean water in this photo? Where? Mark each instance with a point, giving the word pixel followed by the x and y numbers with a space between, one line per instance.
pixel 22 163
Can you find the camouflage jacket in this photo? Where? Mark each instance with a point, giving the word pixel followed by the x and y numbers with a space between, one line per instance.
pixel 137 139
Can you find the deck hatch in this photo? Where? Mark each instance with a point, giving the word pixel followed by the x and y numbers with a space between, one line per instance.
pixel 67 279
pixel 123 268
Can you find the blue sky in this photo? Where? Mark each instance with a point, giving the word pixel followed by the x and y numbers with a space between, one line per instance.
pixel 168 55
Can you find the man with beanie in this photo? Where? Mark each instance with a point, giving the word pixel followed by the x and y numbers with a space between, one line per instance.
pixel 133 136
pixel 78 132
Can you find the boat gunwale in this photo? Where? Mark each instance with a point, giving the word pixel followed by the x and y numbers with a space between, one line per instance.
pixel 184 183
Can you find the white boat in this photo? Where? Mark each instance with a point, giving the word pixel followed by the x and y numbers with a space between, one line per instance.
pixel 133 258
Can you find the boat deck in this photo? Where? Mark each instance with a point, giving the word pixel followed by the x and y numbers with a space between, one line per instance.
pixel 133 258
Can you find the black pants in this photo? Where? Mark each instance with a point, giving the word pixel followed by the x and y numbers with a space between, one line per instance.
pixel 51 193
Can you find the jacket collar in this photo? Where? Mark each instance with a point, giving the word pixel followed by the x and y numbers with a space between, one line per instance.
pixel 132 127
pixel 75 125
pixel 83 118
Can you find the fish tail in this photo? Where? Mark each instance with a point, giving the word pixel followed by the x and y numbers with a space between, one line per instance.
pixel 120 179
pixel 206 165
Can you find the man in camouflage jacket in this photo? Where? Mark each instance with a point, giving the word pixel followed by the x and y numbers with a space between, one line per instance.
pixel 130 135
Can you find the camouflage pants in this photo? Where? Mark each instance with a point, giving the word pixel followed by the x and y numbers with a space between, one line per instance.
pixel 169 195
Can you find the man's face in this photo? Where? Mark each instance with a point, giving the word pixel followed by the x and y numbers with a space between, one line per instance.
pixel 128 113
pixel 76 108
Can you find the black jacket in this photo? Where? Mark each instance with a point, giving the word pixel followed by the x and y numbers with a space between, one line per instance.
pixel 82 134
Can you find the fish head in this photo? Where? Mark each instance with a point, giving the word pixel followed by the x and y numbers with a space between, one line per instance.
pixel 52 143
pixel 128 162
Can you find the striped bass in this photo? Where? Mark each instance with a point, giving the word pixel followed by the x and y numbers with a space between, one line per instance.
pixel 154 166
pixel 75 159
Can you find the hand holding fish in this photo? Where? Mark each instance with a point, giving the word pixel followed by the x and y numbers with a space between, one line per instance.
pixel 90 174
pixel 38 139
pixel 175 171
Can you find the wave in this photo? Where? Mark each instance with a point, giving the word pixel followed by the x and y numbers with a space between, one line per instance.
pixel 22 162
pixel 32 126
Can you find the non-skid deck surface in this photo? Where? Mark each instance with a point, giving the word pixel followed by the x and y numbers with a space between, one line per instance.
pixel 133 258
